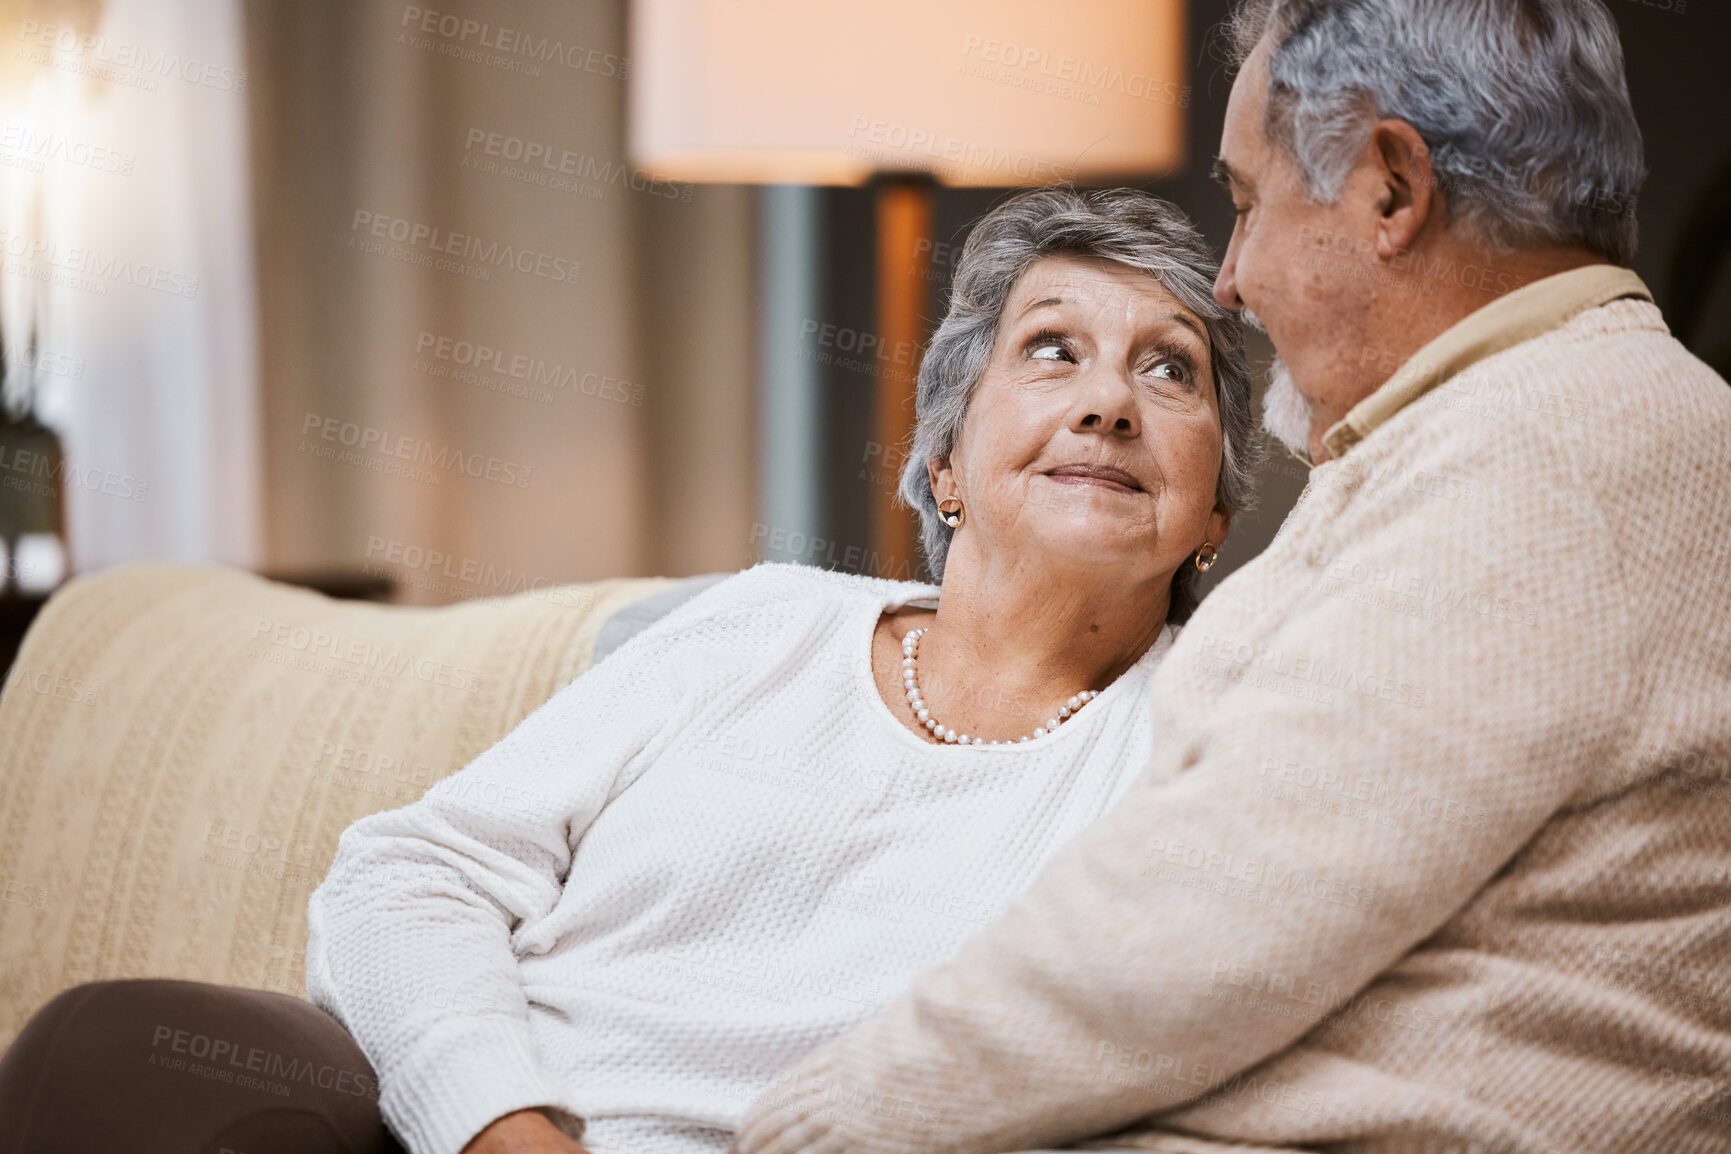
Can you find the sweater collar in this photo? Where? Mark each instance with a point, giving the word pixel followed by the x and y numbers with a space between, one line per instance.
pixel 1528 312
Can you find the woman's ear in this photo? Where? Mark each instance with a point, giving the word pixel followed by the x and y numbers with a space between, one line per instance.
pixel 943 478
pixel 1219 525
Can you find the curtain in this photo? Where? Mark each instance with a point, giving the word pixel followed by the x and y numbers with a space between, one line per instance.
pixel 497 355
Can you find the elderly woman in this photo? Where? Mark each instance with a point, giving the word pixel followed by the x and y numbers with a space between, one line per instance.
pixel 751 826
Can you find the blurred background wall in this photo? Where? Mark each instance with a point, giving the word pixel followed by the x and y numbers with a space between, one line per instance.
pixel 453 250
pixel 408 312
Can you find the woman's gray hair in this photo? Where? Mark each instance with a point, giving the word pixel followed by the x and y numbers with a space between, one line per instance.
pixel 1522 103
pixel 1122 225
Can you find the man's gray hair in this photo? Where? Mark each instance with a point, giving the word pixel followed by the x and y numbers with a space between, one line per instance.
pixel 1522 103
pixel 1123 225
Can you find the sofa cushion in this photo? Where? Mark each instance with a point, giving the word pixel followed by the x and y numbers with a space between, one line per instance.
pixel 181 746
pixel 630 620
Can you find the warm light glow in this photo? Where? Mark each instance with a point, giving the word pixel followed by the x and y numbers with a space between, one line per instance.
pixel 1007 92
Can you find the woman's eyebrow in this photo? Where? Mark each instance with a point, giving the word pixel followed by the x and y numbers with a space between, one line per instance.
pixel 1188 323
pixel 1047 301
pixel 1180 318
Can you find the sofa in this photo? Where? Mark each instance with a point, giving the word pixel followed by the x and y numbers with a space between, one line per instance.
pixel 181 746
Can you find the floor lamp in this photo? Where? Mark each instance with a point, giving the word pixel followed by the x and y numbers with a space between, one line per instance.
pixel 909 94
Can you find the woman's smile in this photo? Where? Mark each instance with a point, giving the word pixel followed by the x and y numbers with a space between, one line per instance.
pixel 1113 480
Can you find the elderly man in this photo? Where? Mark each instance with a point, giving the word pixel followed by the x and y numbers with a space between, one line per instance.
pixel 1438 855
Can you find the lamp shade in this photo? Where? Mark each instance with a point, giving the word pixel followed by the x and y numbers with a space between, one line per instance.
pixel 973 92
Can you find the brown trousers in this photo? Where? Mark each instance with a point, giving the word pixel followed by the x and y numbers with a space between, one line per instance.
pixel 169 1067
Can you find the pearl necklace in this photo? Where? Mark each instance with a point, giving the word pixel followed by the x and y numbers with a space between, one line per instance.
pixel 916 700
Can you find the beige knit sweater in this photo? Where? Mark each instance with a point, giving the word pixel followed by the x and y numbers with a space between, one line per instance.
pixel 1438 855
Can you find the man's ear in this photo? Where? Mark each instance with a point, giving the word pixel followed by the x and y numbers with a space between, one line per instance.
pixel 1409 196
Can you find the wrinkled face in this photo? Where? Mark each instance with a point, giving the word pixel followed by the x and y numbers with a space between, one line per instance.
pixel 1284 265
pixel 1093 439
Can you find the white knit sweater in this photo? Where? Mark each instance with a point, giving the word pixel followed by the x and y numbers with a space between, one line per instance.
pixel 712 852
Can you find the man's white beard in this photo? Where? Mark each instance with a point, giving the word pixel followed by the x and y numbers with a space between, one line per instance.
pixel 1285 412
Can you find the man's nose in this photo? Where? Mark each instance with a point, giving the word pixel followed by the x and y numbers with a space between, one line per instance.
pixel 1226 281
pixel 1226 284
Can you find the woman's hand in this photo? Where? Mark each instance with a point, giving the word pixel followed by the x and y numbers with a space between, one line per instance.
pixel 522 1132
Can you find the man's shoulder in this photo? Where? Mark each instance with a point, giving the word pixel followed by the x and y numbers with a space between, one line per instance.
pixel 1591 404
pixel 1611 377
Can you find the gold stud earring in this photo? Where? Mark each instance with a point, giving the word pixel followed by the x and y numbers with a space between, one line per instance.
pixel 1206 556
pixel 950 509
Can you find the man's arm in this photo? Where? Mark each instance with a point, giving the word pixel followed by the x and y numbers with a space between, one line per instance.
pixel 1213 860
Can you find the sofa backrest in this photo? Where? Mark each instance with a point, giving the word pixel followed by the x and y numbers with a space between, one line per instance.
pixel 181 746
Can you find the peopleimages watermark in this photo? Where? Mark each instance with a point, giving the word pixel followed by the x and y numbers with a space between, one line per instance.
pixel 261 855
pixel 824 1098
pixel 1297 675
pixel 858 351
pixel 392 776
pixel 121 61
pixel 1484 278
pixel 765 975
pixel 890 141
pixel 89 269
pixel 425 566
pixel 1456 172
pixel 866 344
pixel 59 686
pixel 791 544
pixel 1281 995
pixel 1269 883
pixel 463 360
pixel 561 169
pixel 48 362
pixel 358 441
pixel 1392 479
pixel 228 1060
pixel 356 659
pixel 42 475
pixel 1414 594
pixel 1123 1064
pixel 1068 77
pixel 890 460
pixel 1371 798
pixel 883 898
pixel 511 49
pixel 790 766
pixel 23 147
pixel 469 255
pixel 935 259
pixel 30 895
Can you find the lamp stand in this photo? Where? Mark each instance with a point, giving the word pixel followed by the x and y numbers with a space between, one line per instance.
pixel 904 221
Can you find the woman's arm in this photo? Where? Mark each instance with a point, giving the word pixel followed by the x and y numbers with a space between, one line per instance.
pixel 414 935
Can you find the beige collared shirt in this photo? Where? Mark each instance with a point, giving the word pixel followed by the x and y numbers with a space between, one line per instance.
pixel 1505 322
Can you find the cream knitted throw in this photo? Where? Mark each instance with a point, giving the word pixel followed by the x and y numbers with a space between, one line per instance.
pixel 180 747
pixel 1435 852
